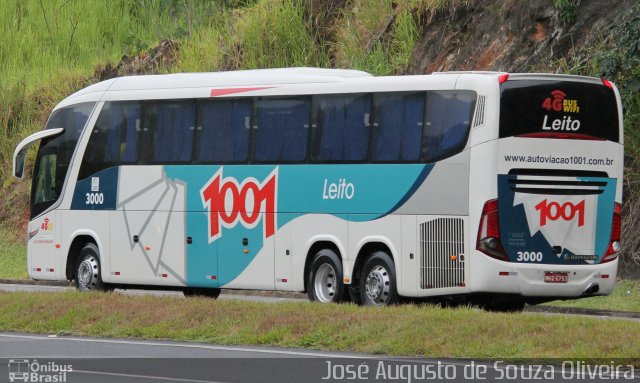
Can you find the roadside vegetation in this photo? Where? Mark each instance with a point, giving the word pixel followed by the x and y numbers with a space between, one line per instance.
pixel 625 297
pixel 50 49
pixel 13 257
pixel 402 330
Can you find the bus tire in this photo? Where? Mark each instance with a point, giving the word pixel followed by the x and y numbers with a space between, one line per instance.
pixel 212 293
pixel 325 283
pixel 88 272
pixel 378 281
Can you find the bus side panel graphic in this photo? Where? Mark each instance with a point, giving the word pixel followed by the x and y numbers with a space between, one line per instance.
pixel 98 192
pixel 356 193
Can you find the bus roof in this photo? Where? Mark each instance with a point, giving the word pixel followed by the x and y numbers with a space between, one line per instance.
pixel 298 76
pixel 230 78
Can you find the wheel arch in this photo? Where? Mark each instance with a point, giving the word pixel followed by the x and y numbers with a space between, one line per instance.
pixel 316 244
pixel 80 239
pixel 367 247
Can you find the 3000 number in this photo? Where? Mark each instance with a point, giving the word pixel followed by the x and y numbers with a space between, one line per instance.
pixel 94 199
pixel 529 256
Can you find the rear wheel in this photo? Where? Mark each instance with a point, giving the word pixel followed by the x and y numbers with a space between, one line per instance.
pixel 325 278
pixel 88 273
pixel 378 281
pixel 201 292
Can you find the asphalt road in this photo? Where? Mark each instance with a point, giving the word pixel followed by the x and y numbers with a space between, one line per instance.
pixel 119 360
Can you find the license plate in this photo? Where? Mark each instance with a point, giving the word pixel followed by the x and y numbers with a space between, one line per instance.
pixel 555 277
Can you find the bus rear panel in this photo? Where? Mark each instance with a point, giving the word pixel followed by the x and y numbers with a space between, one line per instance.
pixel 555 224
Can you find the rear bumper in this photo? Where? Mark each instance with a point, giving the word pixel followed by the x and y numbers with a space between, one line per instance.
pixel 494 276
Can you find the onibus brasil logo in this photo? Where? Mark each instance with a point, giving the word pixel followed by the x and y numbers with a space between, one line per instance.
pixel 25 371
pixel 229 202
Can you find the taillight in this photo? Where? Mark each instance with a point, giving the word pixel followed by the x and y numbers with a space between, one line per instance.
pixel 503 78
pixel 614 242
pixel 489 232
pixel 607 83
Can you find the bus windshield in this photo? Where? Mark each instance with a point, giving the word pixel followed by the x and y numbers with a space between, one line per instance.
pixel 558 109
pixel 54 156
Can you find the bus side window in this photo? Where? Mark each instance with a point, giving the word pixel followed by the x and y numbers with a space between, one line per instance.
pixel 459 120
pixel 282 129
pixel 341 128
pixel 223 131
pixel 169 131
pixel 114 139
pixel 448 121
pixel 121 134
pixel 398 127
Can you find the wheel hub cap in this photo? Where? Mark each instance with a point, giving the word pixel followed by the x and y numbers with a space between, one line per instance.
pixel 87 273
pixel 325 283
pixel 377 285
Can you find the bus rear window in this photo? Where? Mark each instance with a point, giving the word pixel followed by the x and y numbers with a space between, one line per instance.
pixel 567 109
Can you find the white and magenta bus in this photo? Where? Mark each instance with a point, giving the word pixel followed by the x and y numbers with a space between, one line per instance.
pixel 502 188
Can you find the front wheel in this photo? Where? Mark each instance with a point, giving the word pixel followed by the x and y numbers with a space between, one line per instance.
pixel 325 278
pixel 378 281
pixel 88 273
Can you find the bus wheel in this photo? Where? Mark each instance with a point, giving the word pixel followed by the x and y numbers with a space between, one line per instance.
pixel 88 275
pixel 378 281
pixel 201 292
pixel 325 278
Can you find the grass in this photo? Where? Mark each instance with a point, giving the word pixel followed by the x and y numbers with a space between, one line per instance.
pixel 431 7
pixel 13 258
pixel 359 37
pixel 50 49
pixel 203 51
pixel 43 38
pixel 58 36
pixel 625 297
pixel 237 40
pixel 379 37
pixel 275 34
pixel 403 330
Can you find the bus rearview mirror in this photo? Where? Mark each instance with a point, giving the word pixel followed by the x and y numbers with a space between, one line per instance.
pixel 18 165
